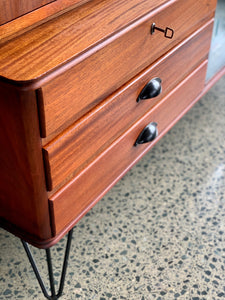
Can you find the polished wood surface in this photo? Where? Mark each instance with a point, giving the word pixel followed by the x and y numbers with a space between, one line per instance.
pixel 70 73
pixel 87 83
pixel 11 9
pixel 206 88
pixel 76 198
pixel 56 42
pixel 23 194
pixel 33 19
pixel 81 143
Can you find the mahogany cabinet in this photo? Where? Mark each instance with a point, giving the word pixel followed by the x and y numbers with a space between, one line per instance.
pixel 86 89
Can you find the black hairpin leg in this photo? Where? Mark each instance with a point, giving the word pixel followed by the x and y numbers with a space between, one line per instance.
pixel 53 296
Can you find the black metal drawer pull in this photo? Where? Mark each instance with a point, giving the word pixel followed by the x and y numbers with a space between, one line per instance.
pixel 152 89
pixel 148 134
pixel 168 32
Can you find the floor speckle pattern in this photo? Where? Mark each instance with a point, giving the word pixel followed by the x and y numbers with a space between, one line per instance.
pixel 158 234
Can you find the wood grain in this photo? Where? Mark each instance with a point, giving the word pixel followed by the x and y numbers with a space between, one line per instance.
pixel 75 199
pixel 79 58
pixel 23 197
pixel 11 9
pixel 75 92
pixel 80 144
pixel 33 19
pixel 57 41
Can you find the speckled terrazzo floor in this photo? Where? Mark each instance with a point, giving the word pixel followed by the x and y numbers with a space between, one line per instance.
pixel 158 234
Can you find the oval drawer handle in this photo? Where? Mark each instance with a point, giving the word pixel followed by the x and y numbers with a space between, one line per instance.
pixel 148 134
pixel 152 89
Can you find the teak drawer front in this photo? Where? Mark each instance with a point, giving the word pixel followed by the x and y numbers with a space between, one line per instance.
pixel 70 203
pixel 89 136
pixel 103 69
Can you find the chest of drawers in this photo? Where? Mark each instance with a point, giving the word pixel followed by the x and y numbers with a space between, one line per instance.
pixel 70 113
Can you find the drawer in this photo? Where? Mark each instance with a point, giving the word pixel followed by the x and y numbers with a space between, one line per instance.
pixel 70 203
pixel 101 70
pixel 80 144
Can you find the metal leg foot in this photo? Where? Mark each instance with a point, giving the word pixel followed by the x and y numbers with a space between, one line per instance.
pixel 54 295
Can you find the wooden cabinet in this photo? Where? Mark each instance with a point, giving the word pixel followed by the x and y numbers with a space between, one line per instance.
pixel 109 119
pixel 69 113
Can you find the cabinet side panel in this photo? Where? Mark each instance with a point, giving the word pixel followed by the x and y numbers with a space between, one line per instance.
pixel 23 198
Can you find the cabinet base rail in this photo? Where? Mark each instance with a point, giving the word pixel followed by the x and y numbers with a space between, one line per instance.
pixel 54 295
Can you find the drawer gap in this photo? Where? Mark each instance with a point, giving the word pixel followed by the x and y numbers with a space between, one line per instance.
pixel 41 112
